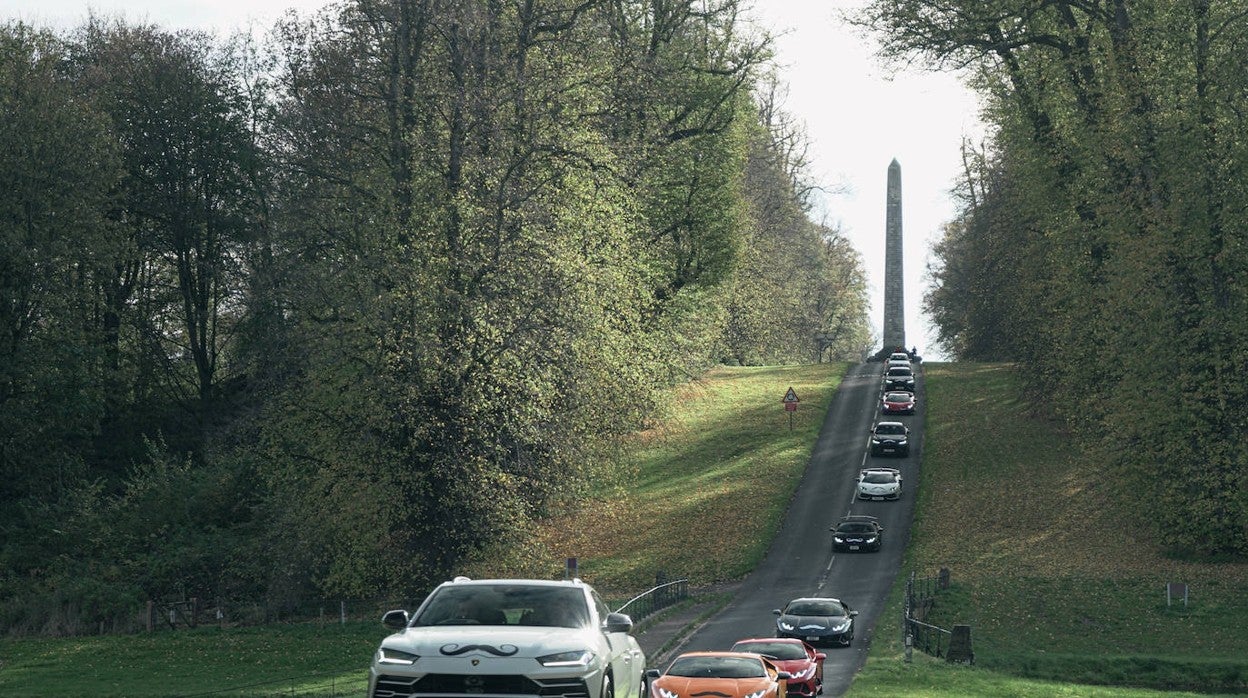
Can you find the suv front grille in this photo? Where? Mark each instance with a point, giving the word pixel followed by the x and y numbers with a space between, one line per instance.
pixel 473 685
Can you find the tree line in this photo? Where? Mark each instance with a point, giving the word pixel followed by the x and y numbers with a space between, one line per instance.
pixel 1101 237
pixel 342 309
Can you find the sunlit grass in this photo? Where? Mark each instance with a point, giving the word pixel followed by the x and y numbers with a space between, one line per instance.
pixel 709 486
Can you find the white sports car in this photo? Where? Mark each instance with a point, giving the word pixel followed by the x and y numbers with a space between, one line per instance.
pixel 508 638
pixel 879 483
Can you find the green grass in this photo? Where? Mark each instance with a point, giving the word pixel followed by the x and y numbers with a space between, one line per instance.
pixel 286 660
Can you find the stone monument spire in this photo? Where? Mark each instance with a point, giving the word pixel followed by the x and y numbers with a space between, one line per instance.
pixel 894 299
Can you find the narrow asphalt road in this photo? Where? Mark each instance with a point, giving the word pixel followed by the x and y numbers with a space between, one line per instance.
pixel 800 561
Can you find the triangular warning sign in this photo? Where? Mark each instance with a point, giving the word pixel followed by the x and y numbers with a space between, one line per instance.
pixel 790 396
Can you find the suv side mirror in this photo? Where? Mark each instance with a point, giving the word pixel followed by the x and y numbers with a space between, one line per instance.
pixel 618 623
pixel 396 620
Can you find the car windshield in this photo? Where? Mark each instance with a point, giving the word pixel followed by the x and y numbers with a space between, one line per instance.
pixel 778 650
pixel 505 604
pixel 717 667
pixel 896 371
pixel 877 478
pixel 890 428
pixel 816 608
pixel 855 527
pixel 898 397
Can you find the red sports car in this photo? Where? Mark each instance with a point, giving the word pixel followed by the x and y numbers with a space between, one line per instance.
pixel 803 662
pixel 898 402
pixel 719 674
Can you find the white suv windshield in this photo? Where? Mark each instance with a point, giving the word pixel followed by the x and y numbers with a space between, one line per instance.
pixel 505 604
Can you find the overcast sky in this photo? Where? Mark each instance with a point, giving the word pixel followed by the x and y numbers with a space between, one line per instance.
pixel 857 117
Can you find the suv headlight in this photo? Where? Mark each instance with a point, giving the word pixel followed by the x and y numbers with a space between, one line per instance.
pixel 389 655
pixel 571 658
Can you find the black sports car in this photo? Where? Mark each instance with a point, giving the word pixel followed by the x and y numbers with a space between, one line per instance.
pixel 890 438
pixel 817 621
pixel 858 533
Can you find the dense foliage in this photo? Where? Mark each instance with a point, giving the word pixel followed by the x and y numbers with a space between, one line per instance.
pixel 341 311
pixel 1101 242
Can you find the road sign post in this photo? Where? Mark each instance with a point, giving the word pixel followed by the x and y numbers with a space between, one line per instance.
pixel 790 405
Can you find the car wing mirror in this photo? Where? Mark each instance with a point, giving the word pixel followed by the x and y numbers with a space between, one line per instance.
pixel 395 619
pixel 783 675
pixel 617 623
pixel 653 673
pixel 777 611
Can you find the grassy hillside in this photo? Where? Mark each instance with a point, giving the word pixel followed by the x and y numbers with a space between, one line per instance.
pixel 1056 581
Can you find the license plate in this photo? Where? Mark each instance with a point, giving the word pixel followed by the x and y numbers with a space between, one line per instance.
pixel 853 547
pixel 877 499
pixel 812 638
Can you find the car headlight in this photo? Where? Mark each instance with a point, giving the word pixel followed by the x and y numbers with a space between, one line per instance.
pixel 756 694
pixel 665 693
pixel 570 658
pixel 804 673
pixel 389 655
pixel 784 625
pixel 838 539
pixel 839 628
pixel 875 441
pixel 872 539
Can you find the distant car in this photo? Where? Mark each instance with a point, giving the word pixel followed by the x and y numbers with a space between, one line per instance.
pixel 897 402
pixel 718 674
pixel 879 483
pixel 899 378
pixel 899 356
pixel 803 662
pixel 890 438
pixel 858 534
pixel 505 637
pixel 817 620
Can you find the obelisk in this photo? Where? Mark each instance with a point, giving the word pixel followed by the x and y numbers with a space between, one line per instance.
pixel 894 298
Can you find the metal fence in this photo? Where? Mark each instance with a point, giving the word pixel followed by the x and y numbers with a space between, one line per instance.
pixel 920 595
pixel 653 600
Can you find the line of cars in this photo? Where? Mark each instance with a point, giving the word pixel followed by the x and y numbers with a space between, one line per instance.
pixel 790 658
pixel 789 661
pixel 861 533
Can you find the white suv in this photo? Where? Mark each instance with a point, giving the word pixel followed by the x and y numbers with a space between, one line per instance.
pixel 508 638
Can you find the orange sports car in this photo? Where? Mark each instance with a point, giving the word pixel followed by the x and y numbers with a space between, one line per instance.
pixel 719 674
